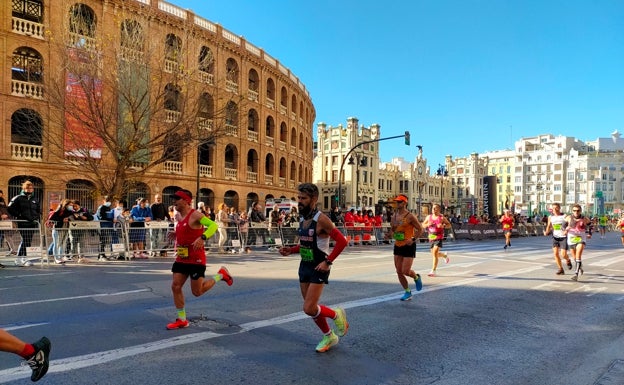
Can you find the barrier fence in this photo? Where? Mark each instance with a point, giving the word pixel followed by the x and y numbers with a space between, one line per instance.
pixel 125 240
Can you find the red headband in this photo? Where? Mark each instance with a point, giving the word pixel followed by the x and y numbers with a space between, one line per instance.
pixel 184 196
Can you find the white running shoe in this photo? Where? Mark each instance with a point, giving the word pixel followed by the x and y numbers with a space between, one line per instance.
pixel 432 273
pixel 446 258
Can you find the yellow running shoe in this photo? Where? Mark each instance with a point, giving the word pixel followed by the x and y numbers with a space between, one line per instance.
pixel 342 326
pixel 327 342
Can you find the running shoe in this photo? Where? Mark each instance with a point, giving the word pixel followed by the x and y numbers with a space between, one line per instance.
pixel 432 273
pixel 446 258
pixel 407 296
pixel 577 274
pixel 226 275
pixel 327 342
pixel 418 282
pixel 505 247
pixel 560 272
pixel 569 263
pixel 40 361
pixel 342 326
pixel 178 324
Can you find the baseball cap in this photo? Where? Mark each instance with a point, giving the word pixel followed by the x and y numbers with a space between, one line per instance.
pixel 401 198
pixel 184 195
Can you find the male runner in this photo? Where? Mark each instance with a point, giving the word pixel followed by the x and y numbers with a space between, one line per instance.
pixel 556 224
pixel 190 255
pixel 315 230
pixel 405 230
pixel 578 230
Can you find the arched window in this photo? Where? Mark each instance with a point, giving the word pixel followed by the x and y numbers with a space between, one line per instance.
pixel 132 36
pixel 253 121
pixel 231 70
pixel 172 97
pixel 231 114
pixel 269 165
pixel 284 97
pixel 28 10
pixel 26 127
pixel 270 92
pixel 82 25
pixel 270 127
pixel 206 60
pixel 82 191
pixel 173 46
pixel 27 65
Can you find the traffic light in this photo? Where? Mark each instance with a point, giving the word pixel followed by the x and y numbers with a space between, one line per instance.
pixel 407 138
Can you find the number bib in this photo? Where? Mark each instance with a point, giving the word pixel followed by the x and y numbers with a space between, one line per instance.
pixel 433 237
pixel 183 252
pixel 400 236
pixel 576 239
pixel 307 255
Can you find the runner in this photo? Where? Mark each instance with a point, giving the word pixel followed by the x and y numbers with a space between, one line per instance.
pixel 507 220
pixel 556 223
pixel 315 230
pixel 602 225
pixel 405 230
pixel 621 226
pixel 190 255
pixel 578 230
pixel 435 224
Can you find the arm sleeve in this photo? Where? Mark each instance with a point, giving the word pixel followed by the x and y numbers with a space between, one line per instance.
pixel 210 226
pixel 341 243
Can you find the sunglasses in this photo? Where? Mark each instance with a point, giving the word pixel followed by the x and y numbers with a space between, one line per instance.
pixel 576 211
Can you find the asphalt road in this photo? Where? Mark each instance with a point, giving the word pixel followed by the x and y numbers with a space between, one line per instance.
pixel 490 317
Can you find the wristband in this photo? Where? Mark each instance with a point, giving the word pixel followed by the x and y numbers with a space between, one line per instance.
pixel 327 261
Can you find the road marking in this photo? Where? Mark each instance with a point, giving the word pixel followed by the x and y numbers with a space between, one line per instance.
pixel 98 358
pixel 73 298
pixel 24 326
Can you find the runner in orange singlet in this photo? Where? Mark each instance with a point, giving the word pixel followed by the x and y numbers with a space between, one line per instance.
pixel 405 230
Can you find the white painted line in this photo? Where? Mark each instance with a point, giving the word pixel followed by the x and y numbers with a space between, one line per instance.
pixel 24 326
pixel 73 298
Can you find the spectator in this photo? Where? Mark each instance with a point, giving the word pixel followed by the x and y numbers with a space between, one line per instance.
pixel 140 214
pixel 257 218
pixel 60 231
pixel 160 213
pixel 26 209
pixel 76 238
pixel 243 228
pixel 222 221
pixel 105 214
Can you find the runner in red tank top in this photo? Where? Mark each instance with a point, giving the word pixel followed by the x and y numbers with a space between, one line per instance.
pixel 190 255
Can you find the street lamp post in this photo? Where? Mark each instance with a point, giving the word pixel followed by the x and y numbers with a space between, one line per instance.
pixel 442 173
pixel 357 161
pixel 407 142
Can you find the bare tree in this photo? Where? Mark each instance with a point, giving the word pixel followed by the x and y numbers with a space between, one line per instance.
pixel 123 102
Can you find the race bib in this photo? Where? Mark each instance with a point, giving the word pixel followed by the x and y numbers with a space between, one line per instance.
pixel 306 254
pixel 182 252
pixel 506 226
pixel 557 226
pixel 399 236
pixel 577 239
pixel 433 237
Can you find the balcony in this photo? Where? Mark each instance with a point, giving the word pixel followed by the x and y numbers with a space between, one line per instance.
pixel 269 141
pixel 205 124
pixel 205 170
pixel 172 116
pixel 132 55
pixel 268 179
pixel 231 173
pixel 282 146
pixel 231 86
pixel 26 152
pixel 293 116
pixel 282 182
pixel 27 27
pixel 283 110
pixel 26 89
pixel 252 95
pixel 231 130
pixel 206 77
pixel 252 177
pixel 172 167
pixel 252 136
pixel 81 41
pixel 171 66
pixel 270 103
pixel 293 149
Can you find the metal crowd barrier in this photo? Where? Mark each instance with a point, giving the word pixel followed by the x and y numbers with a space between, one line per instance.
pixel 22 243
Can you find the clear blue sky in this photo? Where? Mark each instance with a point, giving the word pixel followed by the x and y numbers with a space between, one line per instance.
pixel 462 76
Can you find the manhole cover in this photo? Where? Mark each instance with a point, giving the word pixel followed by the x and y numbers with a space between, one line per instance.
pixel 215 325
